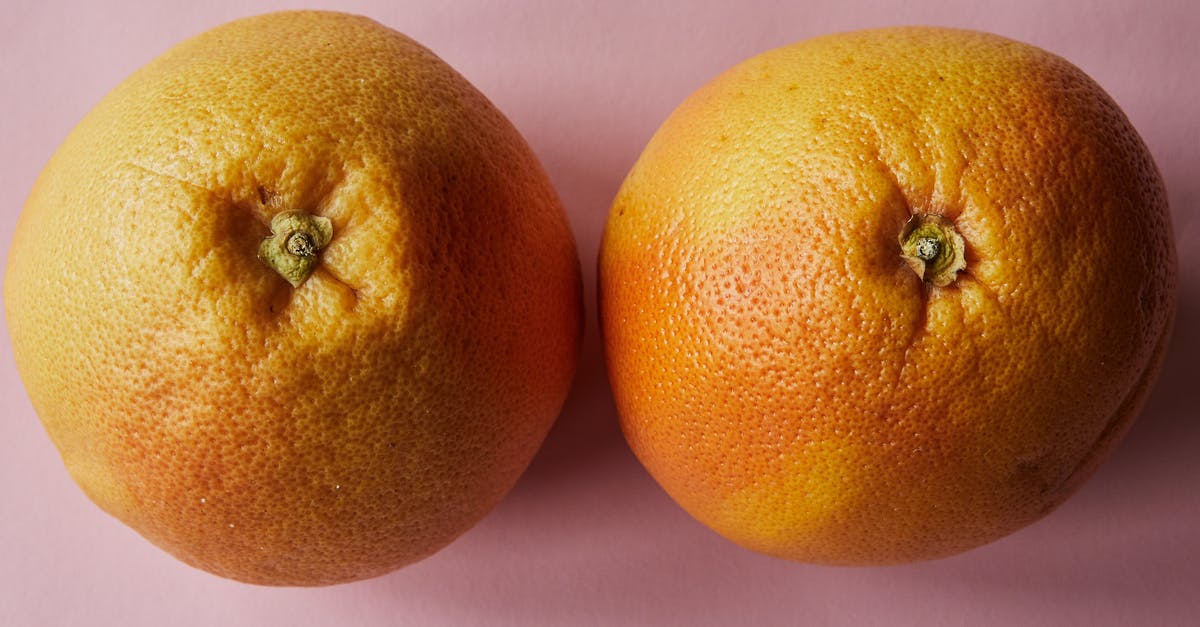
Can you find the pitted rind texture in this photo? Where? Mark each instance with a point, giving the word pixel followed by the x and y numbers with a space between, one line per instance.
pixel 295 435
pixel 785 375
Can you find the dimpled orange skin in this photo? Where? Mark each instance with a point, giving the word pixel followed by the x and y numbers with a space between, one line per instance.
pixel 309 435
pixel 794 384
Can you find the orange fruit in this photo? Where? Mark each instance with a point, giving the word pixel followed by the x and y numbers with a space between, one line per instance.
pixel 885 296
pixel 304 435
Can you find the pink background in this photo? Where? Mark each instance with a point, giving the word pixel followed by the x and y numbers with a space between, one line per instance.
pixel 587 537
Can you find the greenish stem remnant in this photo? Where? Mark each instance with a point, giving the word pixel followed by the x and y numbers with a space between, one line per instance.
pixel 933 248
pixel 295 243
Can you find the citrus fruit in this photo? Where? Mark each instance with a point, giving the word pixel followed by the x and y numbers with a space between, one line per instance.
pixel 295 301
pixel 885 296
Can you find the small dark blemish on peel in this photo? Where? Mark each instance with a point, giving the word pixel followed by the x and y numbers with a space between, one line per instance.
pixel 266 196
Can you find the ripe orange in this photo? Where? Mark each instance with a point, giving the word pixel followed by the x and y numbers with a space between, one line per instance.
pixel 885 296
pixel 314 434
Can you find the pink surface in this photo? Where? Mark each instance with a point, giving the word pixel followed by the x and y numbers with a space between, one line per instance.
pixel 587 537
